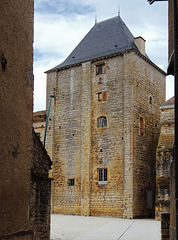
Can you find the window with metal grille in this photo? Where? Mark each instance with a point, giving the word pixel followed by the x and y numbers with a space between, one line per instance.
pixel 102 176
pixel 71 182
pixel 102 122
pixel 100 69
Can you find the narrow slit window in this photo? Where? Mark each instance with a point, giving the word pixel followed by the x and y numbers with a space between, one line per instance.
pixel 102 176
pixel 142 126
pixel 151 100
pixel 102 122
pixel 100 96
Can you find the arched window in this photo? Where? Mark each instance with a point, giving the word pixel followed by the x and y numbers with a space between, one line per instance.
pixel 102 122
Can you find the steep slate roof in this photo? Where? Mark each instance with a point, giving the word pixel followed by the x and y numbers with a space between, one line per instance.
pixel 105 38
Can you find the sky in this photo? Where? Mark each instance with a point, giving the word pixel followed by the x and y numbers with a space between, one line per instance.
pixel 59 25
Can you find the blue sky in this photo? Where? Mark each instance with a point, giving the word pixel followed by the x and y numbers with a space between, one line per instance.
pixel 59 25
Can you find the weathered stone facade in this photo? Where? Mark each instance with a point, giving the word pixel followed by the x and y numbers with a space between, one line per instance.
pixel 19 156
pixel 40 191
pixel 39 123
pixel 125 99
pixel 172 228
pixel 164 157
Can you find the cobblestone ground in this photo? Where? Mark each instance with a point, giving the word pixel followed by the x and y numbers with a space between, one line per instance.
pixel 65 227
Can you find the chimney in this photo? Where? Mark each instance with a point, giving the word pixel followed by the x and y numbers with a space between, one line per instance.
pixel 140 42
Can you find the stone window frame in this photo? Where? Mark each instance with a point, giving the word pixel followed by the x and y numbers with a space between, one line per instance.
pixel 102 122
pixel 100 69
pixel 102 96
pixel 102 176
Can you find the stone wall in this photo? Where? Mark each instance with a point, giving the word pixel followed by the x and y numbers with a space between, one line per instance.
pixel 131 87
pixel 148 93
pixel 40 191
pixel 172 228
pixel 164 157
pixel 16 97
pixel 24 185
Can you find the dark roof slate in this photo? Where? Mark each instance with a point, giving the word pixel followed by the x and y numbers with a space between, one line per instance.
pixel 105 38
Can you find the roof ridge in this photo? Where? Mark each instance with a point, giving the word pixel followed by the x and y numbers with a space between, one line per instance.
pixel 109 19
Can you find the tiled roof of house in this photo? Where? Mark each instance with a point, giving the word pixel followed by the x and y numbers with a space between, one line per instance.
pixel 39 116
pixel 105 38
pixel 169 102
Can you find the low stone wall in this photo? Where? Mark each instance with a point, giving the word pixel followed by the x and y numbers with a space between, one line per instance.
pixel 40 191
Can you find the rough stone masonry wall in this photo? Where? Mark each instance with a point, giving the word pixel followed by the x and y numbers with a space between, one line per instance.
pixel 80 148
pixel 164 157
pixel 16 98
pixel 65 117
pixel 107 142
pixel 148 93
pixel 172 228
pixel 40 191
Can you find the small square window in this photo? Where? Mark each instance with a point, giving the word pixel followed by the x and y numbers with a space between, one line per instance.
pixel 100 69
pixel 102 176
pixel 71 182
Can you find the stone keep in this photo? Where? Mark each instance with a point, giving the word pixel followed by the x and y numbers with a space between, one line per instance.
pixel 104 125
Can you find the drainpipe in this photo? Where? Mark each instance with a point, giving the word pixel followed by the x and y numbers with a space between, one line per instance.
pixel 46 127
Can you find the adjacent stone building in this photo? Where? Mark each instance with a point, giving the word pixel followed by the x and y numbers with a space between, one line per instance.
pixel 39 124
pixel 24 182
pixel 105 124
pixel 164 158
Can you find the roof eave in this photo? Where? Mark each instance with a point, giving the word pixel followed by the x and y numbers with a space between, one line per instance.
pixel 109 56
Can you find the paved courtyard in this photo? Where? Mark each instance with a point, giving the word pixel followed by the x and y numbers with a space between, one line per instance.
pixel 65 227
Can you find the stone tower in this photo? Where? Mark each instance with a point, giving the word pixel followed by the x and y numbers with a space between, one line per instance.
pixel 104 125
